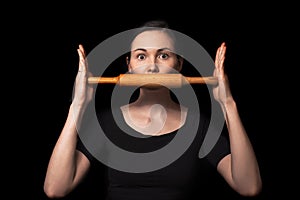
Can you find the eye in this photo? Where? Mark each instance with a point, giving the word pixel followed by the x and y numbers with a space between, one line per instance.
pixel 163 56
pixel 141 56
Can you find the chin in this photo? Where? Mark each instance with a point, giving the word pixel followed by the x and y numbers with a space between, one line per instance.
pixel 152 86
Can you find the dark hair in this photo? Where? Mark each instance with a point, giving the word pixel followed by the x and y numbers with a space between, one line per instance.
pixel 156 24
pixel 153 25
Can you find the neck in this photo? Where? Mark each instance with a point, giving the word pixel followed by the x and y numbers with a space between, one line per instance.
pixel 150 96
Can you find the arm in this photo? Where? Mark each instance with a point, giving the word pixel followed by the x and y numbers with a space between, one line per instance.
pixel 240 168
pixel 67 166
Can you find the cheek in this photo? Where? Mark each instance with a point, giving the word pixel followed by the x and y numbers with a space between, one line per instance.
pixel 137 66
pixel 137 69
pixel 166 70
pixel 170 66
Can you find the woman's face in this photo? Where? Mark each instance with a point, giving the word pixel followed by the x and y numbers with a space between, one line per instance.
pixel 153 52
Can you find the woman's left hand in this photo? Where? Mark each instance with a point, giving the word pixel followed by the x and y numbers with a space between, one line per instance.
pixel 221 91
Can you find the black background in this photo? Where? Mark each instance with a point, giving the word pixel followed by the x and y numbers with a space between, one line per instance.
pixel 43 47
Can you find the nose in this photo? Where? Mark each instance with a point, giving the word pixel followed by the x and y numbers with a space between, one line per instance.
pixel 152 68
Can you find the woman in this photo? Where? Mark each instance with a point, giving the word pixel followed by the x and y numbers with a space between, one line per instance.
pixel 153 51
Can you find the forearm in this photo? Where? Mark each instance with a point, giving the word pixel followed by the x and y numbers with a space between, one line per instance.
pixel 244 167
pixel 61 172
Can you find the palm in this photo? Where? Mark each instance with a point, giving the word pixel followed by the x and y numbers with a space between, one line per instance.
pixel 83 91
pixel 221 92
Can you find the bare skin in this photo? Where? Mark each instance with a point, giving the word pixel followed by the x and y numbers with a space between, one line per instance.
pixel 67 166
pixel 152 55
pixel 240 168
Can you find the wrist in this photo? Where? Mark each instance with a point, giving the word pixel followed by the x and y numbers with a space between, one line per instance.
pixel 229 104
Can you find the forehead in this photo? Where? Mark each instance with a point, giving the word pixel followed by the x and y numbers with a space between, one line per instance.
pixel 153 39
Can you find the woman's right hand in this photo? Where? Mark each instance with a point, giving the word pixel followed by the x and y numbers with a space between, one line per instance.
pixel 83 92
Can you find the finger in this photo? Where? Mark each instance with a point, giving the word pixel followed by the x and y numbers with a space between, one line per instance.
pixel 82 64
pixel 82 50
pixel 221 67
pixel 218 57
pixel 83 53
pixel 222 56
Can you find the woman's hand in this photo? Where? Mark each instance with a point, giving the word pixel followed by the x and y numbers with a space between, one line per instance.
pixel 83 92
pixel 221 91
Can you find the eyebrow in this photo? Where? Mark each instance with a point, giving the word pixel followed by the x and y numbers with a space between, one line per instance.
pixel 161 49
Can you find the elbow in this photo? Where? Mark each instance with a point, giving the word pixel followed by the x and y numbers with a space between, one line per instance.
pixel 252 191
pixel 53 192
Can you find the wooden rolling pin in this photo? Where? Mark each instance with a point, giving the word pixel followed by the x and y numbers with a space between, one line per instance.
pixel 168 80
